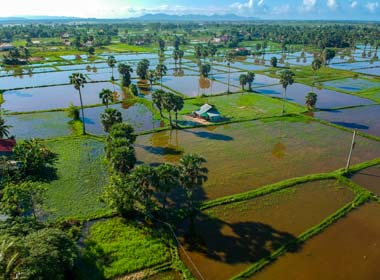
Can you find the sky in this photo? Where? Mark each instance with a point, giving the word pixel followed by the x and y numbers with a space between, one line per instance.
pixel 264 9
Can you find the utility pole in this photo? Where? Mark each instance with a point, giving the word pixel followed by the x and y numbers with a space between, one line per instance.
pixel 351 149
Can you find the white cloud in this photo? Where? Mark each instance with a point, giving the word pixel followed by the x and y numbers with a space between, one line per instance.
pixel 332 4
pixel 308 5
pixel 260 3
pixel 353 4
pixel 243 5
pixel 372 6
pixel 281 10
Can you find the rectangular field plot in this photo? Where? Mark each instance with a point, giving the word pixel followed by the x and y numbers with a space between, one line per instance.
pixel 327 99
pixel 244 156
pixel 81 176
pixel 369 178
pixel 195 86
pixel 47 98
pixel 353 85
pixel 38 125
pixel 347 250
pixel 230 238
pixel 365 119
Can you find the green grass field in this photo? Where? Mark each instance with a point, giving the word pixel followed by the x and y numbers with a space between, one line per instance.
pixel 81 178
pixel 242 106
pixel 117 247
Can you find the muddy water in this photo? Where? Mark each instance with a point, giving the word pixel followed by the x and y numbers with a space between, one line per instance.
pixel 365 119
pixel 369 178
pixel 47 98
pixel 38 125
pixel 195 86
pixel 327 99
pixel 244 156
pixel 347 250
pixel 139 116
pixel 231 237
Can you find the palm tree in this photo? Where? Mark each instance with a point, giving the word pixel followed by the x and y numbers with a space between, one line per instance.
pixel 311 100
pixel 192 176
pixel 205 70
pixel 144 182
pixel 286 79
pixel 111 61
pixel 229 57
pixel 78 80
pixel 161 70
pixel 106 95
pixel 125 71
pixel 175 56
pixel 316 65
pixel 181 54
pixel 168 103
pixel 178 105
pixel 4 129
pixel 273 61
pixel 157 98
pixel 250 79
pixel 243 80
pixel 109 118
pixel 168 179
pixel 152 77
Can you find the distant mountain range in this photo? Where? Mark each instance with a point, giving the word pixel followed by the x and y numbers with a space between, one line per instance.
pixel 148 17
pixel 192 17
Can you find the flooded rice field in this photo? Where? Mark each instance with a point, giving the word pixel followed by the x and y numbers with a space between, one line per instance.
pixel 38 125
pixel 47 98
pixel 364 119
pixel 327 99
pixel 232 237
pixel 244 156
pixel 195 86
pixel 140 117
pixel 347 250
pixel 353 85
pixel 369 178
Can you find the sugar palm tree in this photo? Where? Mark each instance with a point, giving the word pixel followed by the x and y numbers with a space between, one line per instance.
pixel 178 105
pixel 286 79
pixel 4 129
pixel 157 98
pixel 243 80
pixel 152 77
pixel 192 176
pixel 161 70
pixel 78 80
pixel 106 95
pixel 125 71
pixel 229 57
pixel 316 65
pixel 144 182
pixel 168 103
pixel 250 79
pixel 109 118
pixel 311 100
pixel 111 61
pixel 168 179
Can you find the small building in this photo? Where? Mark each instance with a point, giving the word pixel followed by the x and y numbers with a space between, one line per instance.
pixel 65 36
pixel 6 146
pixel 208 112
pixel 6 47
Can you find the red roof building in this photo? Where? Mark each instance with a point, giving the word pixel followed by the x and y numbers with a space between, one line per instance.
pixel 6 146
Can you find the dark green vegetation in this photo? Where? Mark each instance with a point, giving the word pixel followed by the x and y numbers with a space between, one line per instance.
pixel 242 185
